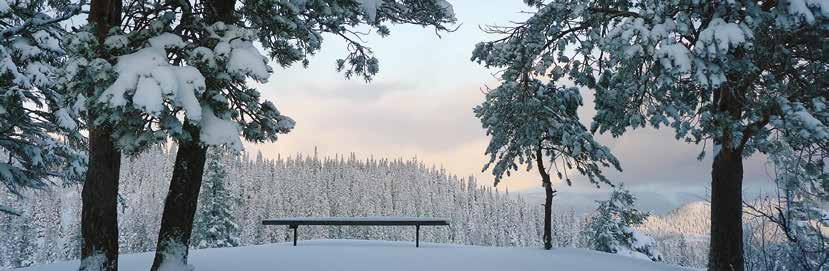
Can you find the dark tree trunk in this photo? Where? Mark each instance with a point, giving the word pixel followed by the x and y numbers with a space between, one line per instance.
pixel 183 196
pixel 726 252
pixel 549 193
pixel 182 199
pixel 726 247
pixel 220 10
pixel 99 212
pixel 99 204
pixel 548 214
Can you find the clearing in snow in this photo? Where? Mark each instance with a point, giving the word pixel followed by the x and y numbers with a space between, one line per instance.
pixel 363 255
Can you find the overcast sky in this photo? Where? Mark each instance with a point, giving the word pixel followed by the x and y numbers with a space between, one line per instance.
pixel 420 105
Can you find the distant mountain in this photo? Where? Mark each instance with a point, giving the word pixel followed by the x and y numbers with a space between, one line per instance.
pixel 682 234
pixel 691 220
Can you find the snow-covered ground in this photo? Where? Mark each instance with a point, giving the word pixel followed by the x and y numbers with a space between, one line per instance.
pixel 328 255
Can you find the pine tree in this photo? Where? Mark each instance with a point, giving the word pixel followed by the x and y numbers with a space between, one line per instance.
pixel 214 225
pixel 144 81
pixel 39 138
pixel 289 32
pixel 611 228
pixel 720 72
pixel 683 252
pixel 26 242
pixel 532 124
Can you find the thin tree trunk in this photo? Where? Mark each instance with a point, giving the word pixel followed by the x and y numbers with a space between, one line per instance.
pixel 99 197
pixel 548 215
pixel 549 193
pixel 182 199
pixel 726 253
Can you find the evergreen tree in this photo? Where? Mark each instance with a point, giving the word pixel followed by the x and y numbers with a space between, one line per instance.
pixel 611 228
pixel 720 72
pixel 683 252
pixel 180 70
pixel 39 138
pixel 226 58
pixel 83 81
pixel 214 225
pixel 26 246
pixel 532 123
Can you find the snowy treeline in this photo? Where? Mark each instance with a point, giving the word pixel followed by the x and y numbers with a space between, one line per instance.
pixel 263 188
pixel 260 188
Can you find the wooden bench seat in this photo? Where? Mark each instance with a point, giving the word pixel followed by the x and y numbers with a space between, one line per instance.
pixel 295 222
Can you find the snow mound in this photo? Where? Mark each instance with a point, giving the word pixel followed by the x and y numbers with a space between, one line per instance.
pixel 363 255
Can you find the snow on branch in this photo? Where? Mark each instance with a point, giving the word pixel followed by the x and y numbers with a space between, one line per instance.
pixel 151 80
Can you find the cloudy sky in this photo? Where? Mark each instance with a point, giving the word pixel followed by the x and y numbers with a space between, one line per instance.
pixel 420 105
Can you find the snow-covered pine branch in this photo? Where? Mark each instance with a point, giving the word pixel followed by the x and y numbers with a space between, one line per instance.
pixel 292 31
pixel 39 140
pixel 531 122
pixel 523 116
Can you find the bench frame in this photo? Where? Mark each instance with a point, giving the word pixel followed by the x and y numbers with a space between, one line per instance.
pixel 293 223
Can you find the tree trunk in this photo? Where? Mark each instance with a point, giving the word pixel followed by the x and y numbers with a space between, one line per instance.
pixel 726 252
pixel 220 10
pixel 549 193
pixel 182 199
pixel 548 215
pixel 99 214
pixel 183 196
pixel 99 197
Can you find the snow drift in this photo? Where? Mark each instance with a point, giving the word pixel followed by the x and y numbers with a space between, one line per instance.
pixel 319 255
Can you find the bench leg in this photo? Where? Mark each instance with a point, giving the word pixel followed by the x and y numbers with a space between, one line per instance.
pixel 294 227
pixel 417 235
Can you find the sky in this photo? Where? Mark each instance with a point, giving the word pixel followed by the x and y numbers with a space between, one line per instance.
pixel 420 106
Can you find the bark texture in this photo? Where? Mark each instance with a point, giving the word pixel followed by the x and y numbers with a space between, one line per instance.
pixel 726 247
pixel 182 200
pixel 99 213
pixel 726 252
pixel 220 10
pixel 183 196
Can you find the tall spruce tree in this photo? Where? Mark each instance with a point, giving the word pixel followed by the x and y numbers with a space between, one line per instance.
pixel 723 73
pixel 214 225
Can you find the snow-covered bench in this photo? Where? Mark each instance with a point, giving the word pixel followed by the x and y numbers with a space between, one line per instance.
pixel 294 222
